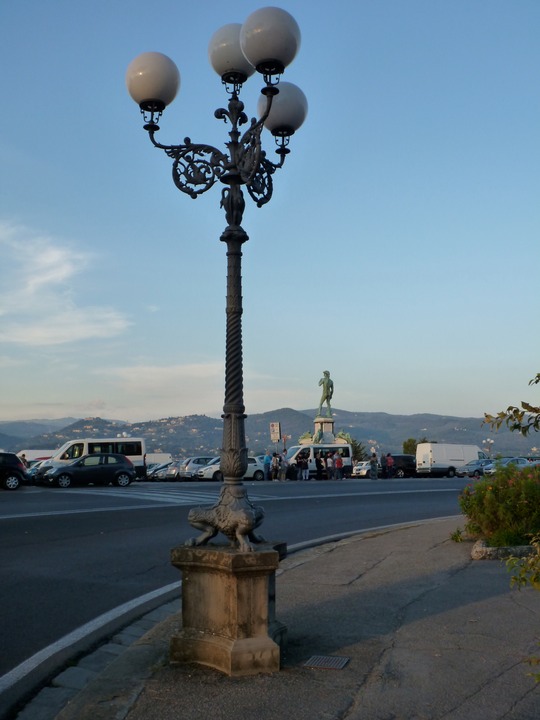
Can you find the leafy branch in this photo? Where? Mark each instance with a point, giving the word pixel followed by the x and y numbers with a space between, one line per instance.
pixel 521 420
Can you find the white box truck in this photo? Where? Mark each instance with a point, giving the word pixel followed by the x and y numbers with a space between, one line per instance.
pixel 443 458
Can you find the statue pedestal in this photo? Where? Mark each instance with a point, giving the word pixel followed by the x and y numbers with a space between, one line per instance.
pixel 228 609
pixel 324 430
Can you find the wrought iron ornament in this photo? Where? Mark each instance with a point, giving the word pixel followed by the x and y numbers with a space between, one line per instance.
pixel 197 166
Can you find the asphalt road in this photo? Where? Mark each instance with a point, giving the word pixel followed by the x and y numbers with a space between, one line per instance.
pixel 71 555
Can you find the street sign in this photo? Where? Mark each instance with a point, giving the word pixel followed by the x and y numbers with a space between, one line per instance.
pixel 275 432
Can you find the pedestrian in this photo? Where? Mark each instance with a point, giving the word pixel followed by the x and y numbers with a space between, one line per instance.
pixel 24 460
pixel 330 465
pixel 275 467
pixel 319 466
pixel 383 465
pixel 389 466
pixel 299 466
pixel 373 467
pixel 267 465
pixel 283 466
pixel 338 467
pixel 304 466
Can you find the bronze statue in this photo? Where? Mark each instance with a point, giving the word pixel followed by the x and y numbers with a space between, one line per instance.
pixel 327 392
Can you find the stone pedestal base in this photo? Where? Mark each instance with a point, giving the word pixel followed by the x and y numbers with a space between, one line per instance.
pixel 228 609
pixel 324 430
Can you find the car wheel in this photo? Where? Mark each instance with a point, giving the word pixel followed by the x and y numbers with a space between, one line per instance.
pixel 476 474
pixel 217 476
pixel 122 480
pixel 12 482
pixel 451 472
pixel 400 473
pixel 64 481
pixel 258 475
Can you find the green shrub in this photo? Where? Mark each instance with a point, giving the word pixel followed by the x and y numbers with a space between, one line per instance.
pixel 504 508
pixel 526 571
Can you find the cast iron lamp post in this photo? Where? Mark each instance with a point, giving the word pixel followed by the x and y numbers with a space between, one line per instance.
pixel 267 42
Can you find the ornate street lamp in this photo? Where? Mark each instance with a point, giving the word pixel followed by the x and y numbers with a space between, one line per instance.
pixel 488 446
pixel 267 42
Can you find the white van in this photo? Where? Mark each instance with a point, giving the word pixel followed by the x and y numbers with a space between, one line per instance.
pixel 345 450
pixel 443 458
pixel 132 448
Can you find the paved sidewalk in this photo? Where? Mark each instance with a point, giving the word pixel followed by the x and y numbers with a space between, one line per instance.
pixel 429 633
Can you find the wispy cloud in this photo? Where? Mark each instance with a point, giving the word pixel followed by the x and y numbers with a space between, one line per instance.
pixel 167 379
pixel 169 390
pixel 8 362
pixel 38 301
pixel 154 391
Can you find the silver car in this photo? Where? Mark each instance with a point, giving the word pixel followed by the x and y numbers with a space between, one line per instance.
pixel 520 462
pixel 474 468
pixel 255 470
pixel 363 469
pixel 189 467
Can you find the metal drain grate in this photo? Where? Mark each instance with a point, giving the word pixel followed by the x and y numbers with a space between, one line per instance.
pixel 327 662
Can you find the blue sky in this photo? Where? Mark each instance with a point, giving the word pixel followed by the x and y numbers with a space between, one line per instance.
pixel 399 251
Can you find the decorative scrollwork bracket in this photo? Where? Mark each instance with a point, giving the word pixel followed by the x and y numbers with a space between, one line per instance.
pixel 197 166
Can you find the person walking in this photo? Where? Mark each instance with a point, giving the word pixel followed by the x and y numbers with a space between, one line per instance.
pixel 267 463
pixel 389 466
pixel 373 467
pixel 275 467
pixel 299 467
pixel 338 467
pixel 283 466
pixel 330 465
pixel 319 466
pixel 304 467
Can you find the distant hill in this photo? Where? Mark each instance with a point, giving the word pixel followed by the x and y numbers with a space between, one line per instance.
pixel 389 431
pixel 30 428
pixel 15 433
pixel 8 442
pixel 195 434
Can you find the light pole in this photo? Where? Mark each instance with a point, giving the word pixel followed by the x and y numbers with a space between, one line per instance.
pixel 267 42
pixel 488 446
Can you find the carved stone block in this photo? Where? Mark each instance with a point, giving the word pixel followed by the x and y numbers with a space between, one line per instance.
pixel 228 609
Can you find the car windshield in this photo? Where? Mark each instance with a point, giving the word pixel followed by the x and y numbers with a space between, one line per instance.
pixel 291 451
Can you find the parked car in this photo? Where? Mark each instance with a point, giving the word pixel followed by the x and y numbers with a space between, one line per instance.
pixel 520 462
pixel 404 466
pixel 33 471
pixel 474 468
pixel 361 469
pixel 170 472
pixel 255 470
pixel 97 468
pixel 190 466
pixel 210 471
pixel 158 471
pixel 12 471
